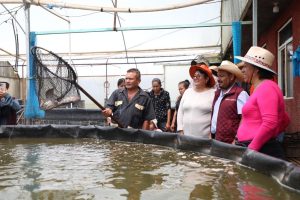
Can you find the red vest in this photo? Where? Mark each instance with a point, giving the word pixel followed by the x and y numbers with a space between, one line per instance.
pixel 228 119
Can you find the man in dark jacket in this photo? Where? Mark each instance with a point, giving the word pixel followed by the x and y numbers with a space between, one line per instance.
pixel 8 106
pixel 131 106
pixel 228 103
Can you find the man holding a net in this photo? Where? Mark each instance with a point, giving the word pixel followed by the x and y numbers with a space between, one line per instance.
pixel 131 106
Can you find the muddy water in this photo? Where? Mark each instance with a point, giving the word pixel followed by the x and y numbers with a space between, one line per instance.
pixel 97 169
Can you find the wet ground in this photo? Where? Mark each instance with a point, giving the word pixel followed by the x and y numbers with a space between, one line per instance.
pixel 96 169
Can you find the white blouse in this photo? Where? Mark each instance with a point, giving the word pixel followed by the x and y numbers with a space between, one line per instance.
pixel 194 113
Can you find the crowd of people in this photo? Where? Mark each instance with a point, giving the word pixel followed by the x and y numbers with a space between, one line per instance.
pixel 213 106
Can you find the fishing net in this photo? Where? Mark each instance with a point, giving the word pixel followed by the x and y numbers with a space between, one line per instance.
pixel 55 80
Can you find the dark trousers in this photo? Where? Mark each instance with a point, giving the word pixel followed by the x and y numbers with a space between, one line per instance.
pixel 271 148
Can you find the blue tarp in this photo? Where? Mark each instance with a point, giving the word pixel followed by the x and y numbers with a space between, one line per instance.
pixel 237 38
pixel 296 62
pixel 32 107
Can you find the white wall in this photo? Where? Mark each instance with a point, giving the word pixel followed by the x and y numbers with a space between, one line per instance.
pixel 173 75
pixel 95 85
pixel 170 75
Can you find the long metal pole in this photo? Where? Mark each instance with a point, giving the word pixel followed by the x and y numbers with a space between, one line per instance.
pixel 27 42
pixel 64 4
pixel 27 36
pixel 254 24
pixel 140 28
pixel 115 16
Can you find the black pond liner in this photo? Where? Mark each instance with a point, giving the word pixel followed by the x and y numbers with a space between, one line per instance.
pixel 284 172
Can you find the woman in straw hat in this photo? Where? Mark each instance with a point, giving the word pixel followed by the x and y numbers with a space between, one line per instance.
pixel 264 116
pixel 193 116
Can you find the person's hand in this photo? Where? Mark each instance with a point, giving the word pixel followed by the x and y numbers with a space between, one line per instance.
pixel 108 121
pixel 233 142
pixel 107 112
pixel 167 126
pixel 172 127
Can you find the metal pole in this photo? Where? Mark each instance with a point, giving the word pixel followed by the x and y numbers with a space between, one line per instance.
pixel 115 16
pixel 64 4
pixel 27 35
pixel 27 44
pixel 254 25
pixel 141 28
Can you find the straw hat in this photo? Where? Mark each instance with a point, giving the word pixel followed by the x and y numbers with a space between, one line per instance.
pixel 231 68
pixel 206 70
pixel 259 57
pixel 214 68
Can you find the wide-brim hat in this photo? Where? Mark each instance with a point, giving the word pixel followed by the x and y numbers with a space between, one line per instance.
pixel 231 68
pixel 259 57
pixel 214 70
pixel 206 70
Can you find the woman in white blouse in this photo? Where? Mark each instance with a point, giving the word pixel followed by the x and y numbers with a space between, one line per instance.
pixel 194 113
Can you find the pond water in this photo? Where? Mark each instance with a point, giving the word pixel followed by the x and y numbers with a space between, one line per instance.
pixel 97 169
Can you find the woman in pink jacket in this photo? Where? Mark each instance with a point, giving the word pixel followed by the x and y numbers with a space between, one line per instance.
pixel 264 116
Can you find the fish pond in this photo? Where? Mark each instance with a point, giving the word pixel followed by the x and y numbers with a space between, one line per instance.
pixel 63 168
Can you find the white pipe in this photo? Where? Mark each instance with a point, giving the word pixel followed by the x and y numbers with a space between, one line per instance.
pixel 27 35
pixel 62 4
pixel 97 53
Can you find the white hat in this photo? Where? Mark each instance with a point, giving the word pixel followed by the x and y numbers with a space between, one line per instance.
pixel 259 57
pixel 231 68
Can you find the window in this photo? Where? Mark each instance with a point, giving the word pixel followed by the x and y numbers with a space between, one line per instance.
pixel 285 65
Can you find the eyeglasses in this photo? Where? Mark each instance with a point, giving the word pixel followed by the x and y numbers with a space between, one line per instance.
pixel 197 75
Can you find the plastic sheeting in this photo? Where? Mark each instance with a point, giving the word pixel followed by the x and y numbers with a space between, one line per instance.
pixel 296 62
pixel 284 172
pixel 237 38
pixel 32 107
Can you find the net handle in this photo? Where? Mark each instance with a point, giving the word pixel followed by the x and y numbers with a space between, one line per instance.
pixel 33 51
pixel 97 103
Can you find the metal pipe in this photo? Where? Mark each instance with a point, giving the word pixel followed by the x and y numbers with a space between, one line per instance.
pixel 201 25
pixel 63 4
pixel 105 53
pixel 254 24
pixel 27 34
pixel 115 16
pixel 27 43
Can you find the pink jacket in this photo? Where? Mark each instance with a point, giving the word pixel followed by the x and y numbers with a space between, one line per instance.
pixel 263 116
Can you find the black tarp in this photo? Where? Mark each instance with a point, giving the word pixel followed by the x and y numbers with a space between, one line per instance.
pixel 284 172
